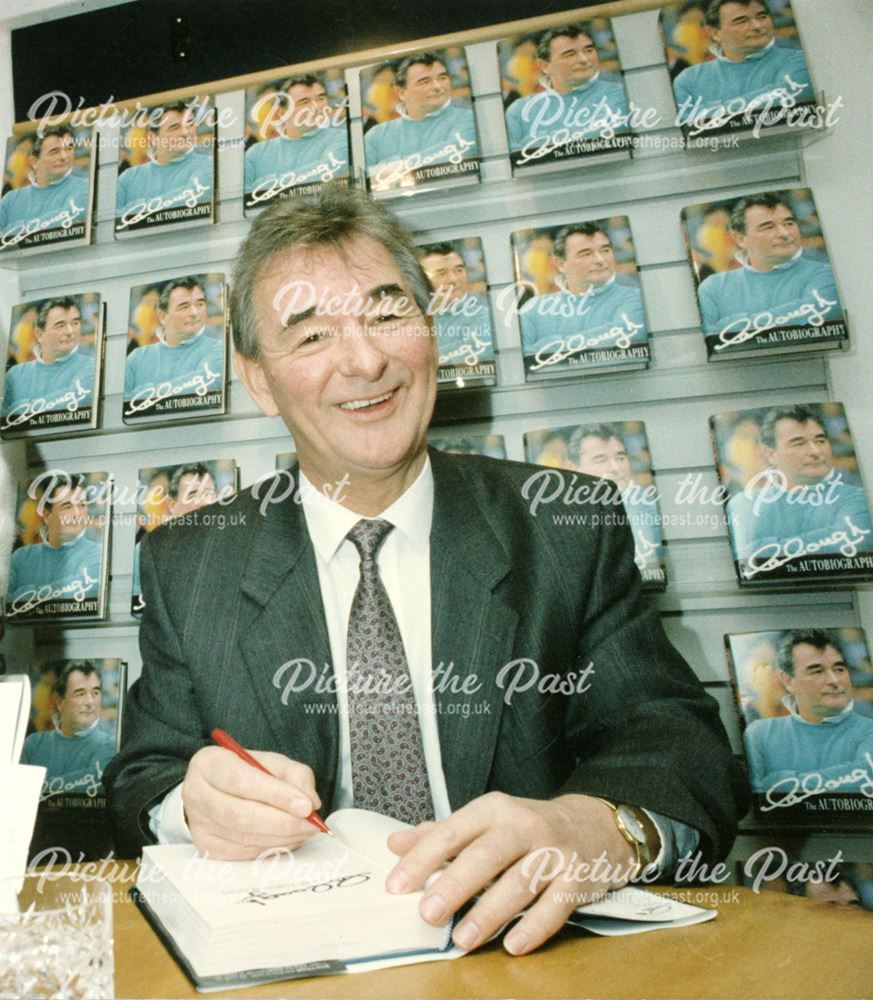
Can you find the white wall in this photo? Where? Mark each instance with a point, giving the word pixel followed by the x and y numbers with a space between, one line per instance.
pixel 836 36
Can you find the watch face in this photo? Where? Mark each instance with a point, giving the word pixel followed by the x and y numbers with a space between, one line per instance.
pixel 633 825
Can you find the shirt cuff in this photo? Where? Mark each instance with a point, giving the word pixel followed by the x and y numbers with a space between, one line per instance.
pixel 677 840
pixel 167 819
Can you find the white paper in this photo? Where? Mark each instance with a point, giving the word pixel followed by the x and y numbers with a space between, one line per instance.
pixel 14 713
pixel 631 911
pixel 21 784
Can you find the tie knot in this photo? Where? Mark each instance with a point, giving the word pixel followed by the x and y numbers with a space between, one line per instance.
pixel 367 536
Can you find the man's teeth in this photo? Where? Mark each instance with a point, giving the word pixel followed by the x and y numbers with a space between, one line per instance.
pixel 358 404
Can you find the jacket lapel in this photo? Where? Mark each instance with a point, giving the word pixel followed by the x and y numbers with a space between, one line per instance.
pixel 286 646
pixel 473 631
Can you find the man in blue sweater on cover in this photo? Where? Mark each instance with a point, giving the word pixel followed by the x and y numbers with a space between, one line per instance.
pixel 800 498
pixel 66 565
pixel 56 198
pixel 822 739
pixel 593 303
pixel 61 378
pixel 311 148
pixel 750 72
pixel 185 360
pixel 430 129
pixel 179 173
pixel 462 319
pixel 777 284
pixel 75 753
pixel 577 103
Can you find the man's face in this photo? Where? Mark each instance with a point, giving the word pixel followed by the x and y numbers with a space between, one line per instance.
pixel 588 261
pixel 427 89
pixel 772 236
pixel 55 159
pixel 80 706
pixel 194 492
pixel 309 107
pixel 176 134
pixel 606 459
pixel 447 273
pixel 572 62
pixel 63 328
pixel 185 315
pixel 802 453
pixel 821 684
pixel 744 29
pixel 355 387
pixel 68 515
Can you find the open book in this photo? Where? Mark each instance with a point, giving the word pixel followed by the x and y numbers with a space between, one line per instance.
pixel 323 909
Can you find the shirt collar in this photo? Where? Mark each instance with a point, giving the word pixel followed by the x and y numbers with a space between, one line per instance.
pixel 44 187
pixel 56 722
pixel 592 291
pixel 185 343
pixel 401 110
pixel 328 522
pixel 829 720
pixel 715 49
pixel 587 85
pixel 59 361
pixel 742 257
pixel 162 166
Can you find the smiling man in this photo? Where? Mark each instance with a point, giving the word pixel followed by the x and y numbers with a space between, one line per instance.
pixel 821 736
pixel 75 753
pixel 430 129
pixel 395 560
pixel 777 284
pixel 54 186
pixel 179 171
pixel 184 350
pixel 577 102
pixel 800 495
pixel 750 70
pixel 312 145
pixel 66 564
pixel 593 300
pixel 60 377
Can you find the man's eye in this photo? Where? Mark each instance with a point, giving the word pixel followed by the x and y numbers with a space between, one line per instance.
pixel 315 337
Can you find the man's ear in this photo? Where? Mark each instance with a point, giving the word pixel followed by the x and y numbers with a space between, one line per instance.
pixel 254 379
pixel 786 680
pixel 738 238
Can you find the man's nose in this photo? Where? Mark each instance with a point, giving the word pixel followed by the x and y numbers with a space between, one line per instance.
pixel 362 353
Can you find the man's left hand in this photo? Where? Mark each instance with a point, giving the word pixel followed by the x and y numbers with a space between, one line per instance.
pixel 515 854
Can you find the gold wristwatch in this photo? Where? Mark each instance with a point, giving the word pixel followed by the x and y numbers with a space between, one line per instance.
pixel 633 824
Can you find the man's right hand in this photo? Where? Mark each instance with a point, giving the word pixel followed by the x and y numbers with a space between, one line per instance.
pixel 236 812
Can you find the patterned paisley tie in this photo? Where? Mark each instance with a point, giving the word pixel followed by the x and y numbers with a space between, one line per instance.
pixel 389 774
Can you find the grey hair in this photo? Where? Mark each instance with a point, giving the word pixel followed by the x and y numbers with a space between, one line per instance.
pixel 332 218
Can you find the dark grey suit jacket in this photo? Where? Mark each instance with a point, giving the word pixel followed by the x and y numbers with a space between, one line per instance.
pixel 228 607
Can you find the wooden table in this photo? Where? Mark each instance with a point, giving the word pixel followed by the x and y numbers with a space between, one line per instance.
pixel 760 945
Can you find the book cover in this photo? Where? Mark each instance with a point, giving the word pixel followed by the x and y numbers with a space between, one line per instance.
pixel 459 442
pixel 805 702
pixel 461 312
pixel 179 493
pixel 578 299
pixel 829 879
pixel 737 68
pixel 74 731
pixel 176 349
pixel 166 168
pixel 297 137
pixel 419 128
pixel 60 560
pixel 796 508
pixel 618 452
pixel 53 365
pixel 48 188
pixel 764 278
pixel 564 97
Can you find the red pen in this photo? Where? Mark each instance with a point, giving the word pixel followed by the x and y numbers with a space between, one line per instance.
pixel 223 739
